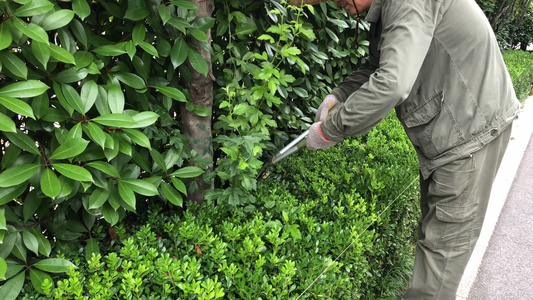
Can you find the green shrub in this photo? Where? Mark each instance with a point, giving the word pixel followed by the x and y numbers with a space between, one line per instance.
pixel 520 66
pixel 307 212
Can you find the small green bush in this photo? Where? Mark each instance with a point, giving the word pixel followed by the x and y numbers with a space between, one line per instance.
pixel 309 209
pixel 520 66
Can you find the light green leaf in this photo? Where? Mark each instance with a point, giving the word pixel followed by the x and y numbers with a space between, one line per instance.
pixel 6 124
pixel 70 149
pixel 131 80
pixel 41 52
pixel 139 33
pixel 171 92
pixel 50 184
pixel 33 31
pixel 110 215
pixel 91 248
pixel 83 58
pixel 73 172
pixel 37 278
pixel 171 194
pixel 61 54
pixel 115 120
pixel 180 24
pixel 140 186
pixel 11 289
pixel 178 53
pixel 14 64
pixel 24 89
pixel 188 172
pixel 149 49
pixel 179 185
pixel 98 198
pixel 17 174
pixel 82 8
pixel 110 50
pixel 104 167
pixel 138 138
pixel 12 192
pixel 57 19
pixel 202 111
pixel 5 36
pixel 95 133
pixel 158 159
pixel 197 61
pixel 3 223
pixel 44 245
pixel 71 75
pixel 33 8
pixel 198 34
pixel 89 93
pixel 23 141
pixel 3 269
pixel 115 99
pixel 127 195
pixel 17 106
pixel 144 119
pixel 30 241
pixel 164 13
pixel 184 4
pixel 54 265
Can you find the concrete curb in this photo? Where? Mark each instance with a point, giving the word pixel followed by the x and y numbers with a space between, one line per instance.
pixel 522 130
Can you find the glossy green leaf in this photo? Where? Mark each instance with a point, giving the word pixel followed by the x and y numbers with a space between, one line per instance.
pixel 138 138
pixel 17 106
pixel 11 289
pixel 91 248
pixel 73 172
pixel 115 120
pixel 127 195
pixel 3 222
pixel 6 248
pixel 44 245
pixel 70 149
pixel 197 61
pixel 178 53
pixel 83 58
pixel 110 50
pixel 9 193
pixel 164 13
pixel 6 124
pixel 61 54
pixel 202 111
pixel 54 265
pixel 171 194
pixel 71 75
pixel 59 18
pixel 95 133
pixel 184 4
pixel 3 269
pixel 136 10
pixel 115 99
pixel 144 119
pixel 50 184
pixel 89 93
pixel 17 174
pixel 98 198
pixel 5 36
pixel 24 89
pixel 30 241
pixel 33 8
pixel 180 24
pixel 179 185
pixel 139 33
pixel 33 31
pixel 172 92
pixel 104 167
pixel 11 153
pixel 131 80
pixel 198 34
pixel 14 64
pixel 23 141
pixel 82 8
pixel 149 49
pixel 37 278
pixel 41 52
pixel 75 132
pixel 110 215
pixel 140 186
pixel 158 159
pixel 188 172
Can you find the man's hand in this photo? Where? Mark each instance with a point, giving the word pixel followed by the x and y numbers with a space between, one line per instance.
pixel 323 109
pixel 316 140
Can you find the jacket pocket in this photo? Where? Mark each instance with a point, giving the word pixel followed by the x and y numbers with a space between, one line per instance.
pixel 431 126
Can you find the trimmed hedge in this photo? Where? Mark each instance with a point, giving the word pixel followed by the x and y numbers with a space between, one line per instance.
pixel 309 209
pixel 520 66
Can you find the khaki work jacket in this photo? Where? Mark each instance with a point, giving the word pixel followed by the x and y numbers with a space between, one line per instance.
pixel 437 62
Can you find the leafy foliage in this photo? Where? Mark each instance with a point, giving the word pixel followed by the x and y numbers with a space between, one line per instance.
pixel 520 66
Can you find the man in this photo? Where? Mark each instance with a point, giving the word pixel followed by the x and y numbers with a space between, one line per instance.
pixel 438 64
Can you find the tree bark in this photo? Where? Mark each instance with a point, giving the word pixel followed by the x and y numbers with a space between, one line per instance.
pixel 197 128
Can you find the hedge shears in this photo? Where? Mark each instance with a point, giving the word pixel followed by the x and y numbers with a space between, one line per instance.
pixel 297 144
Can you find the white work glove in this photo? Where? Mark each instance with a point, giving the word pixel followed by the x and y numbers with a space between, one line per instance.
pixel 316 140
pixel 323 109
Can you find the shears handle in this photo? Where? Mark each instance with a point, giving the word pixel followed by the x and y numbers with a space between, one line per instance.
pixel 294 146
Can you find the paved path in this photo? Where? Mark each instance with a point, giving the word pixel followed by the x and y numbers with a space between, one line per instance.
pixel 501 267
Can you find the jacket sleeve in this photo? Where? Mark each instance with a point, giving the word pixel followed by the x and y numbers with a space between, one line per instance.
pixel 407 32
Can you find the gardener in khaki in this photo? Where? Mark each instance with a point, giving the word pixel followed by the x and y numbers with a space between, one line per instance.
pixel 438 64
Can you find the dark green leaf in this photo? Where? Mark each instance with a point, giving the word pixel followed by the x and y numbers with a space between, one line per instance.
pixel 89 93
pixel 138 138
pixel 17 174
pixel 180 24
pixel 139 33
pixel 44 245
pixel 198 34
pixel 82 8
pixel 83 59
pixel 23 141
pixel 30 241
pixel 24 89
pixel 98 198
pixel 110 50
pixel 144 119
pixel 104 167
pixel 33 31
pixel 11 153
pixel 73 172
pixel 17 106
pixel 59 18
pixel 12 192
pixel 115 99
pixel 11 289
pixel 164 13
pixel 50 184
pixel 91 248
pixel 179 185
pixel 33 8
pixel 5 36
pixel 115 120
pixel 54 265
pixel 70 149
pixel 178 53
pixel 127 195
pixel 171 194
pixel 41 52
pixel 37 278
pixel 70 75
pixel 158 159
pixel 136 10
pixel 61 54
pixel 171 92
pixel 110 215
pixel 14 64
pixel 131 80
pixel 149 49
pixel 188 172
pixel 6 124
pixel 197 61
pixel 140 186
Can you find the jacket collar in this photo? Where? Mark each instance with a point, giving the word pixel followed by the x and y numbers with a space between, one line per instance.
pixel 374 13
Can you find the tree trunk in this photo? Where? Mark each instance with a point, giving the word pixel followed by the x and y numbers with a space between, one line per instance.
pixel 197 128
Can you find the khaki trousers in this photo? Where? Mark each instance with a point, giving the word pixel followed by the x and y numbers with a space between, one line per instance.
pixel 453 204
